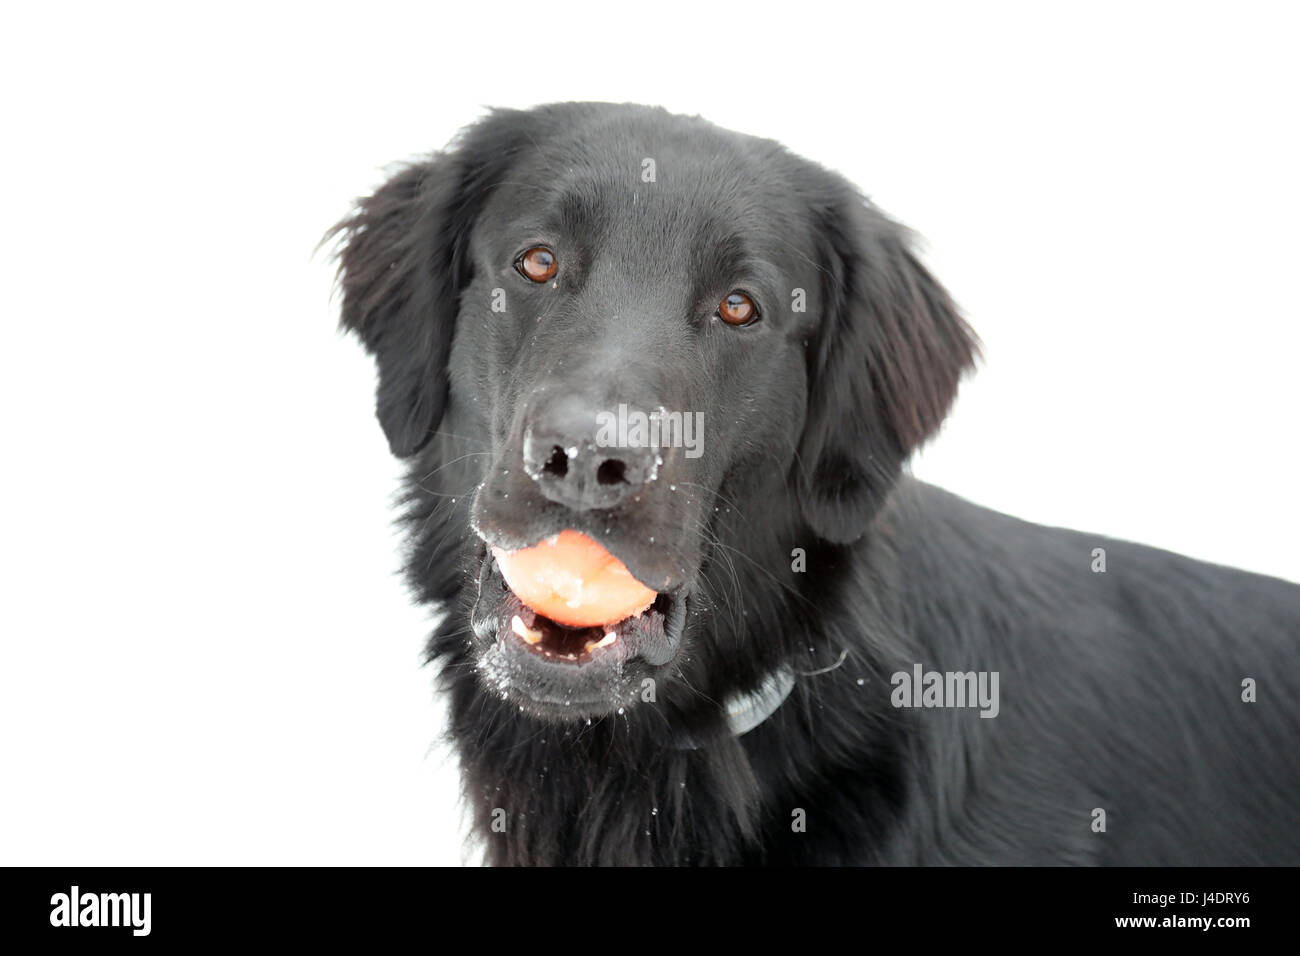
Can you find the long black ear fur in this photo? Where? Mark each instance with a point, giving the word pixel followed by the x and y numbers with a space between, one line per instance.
pixel 403 263
pixel 883 371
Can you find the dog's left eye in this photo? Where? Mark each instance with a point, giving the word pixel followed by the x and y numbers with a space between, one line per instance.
pixel 738 309
pixel 538 264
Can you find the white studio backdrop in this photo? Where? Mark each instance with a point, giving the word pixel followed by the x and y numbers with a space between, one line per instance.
pixel 208 656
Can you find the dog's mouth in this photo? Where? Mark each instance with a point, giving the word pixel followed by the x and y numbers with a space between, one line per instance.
pixel 570 669
pixel 645 634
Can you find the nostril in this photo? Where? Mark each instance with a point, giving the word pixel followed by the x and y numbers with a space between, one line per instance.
pixel 611 472
pixel 557 466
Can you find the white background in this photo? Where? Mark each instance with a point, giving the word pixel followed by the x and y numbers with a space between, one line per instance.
pixel 207 654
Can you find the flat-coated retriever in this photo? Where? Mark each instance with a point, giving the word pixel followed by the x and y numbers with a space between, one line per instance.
pixel 713 358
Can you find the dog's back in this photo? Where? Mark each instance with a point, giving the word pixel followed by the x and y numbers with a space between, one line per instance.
pixel 1141 691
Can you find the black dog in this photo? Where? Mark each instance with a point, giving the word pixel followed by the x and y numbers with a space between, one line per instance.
pixel 841 664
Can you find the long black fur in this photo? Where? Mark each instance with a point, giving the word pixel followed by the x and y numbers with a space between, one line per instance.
pixel 1119 690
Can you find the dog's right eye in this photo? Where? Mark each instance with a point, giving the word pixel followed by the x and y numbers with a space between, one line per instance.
pixel 538 264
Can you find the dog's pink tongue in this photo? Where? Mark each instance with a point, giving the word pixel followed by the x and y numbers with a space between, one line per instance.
pixel 574 581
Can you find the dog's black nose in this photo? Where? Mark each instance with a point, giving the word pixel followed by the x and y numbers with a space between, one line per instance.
pixel 578 461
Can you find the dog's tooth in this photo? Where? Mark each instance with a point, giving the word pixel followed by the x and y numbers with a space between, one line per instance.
pixel 609 638
pixel 523 630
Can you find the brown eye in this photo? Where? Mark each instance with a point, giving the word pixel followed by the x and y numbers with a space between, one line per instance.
pixel 538 264
pixel 738 309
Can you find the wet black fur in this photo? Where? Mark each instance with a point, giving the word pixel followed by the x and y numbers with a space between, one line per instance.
pixel 1119 690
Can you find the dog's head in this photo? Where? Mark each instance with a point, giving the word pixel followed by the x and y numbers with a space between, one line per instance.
pixel 687 344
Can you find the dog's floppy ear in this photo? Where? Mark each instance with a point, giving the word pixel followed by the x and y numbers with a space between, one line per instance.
pixel 403 263
pixel 883 371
